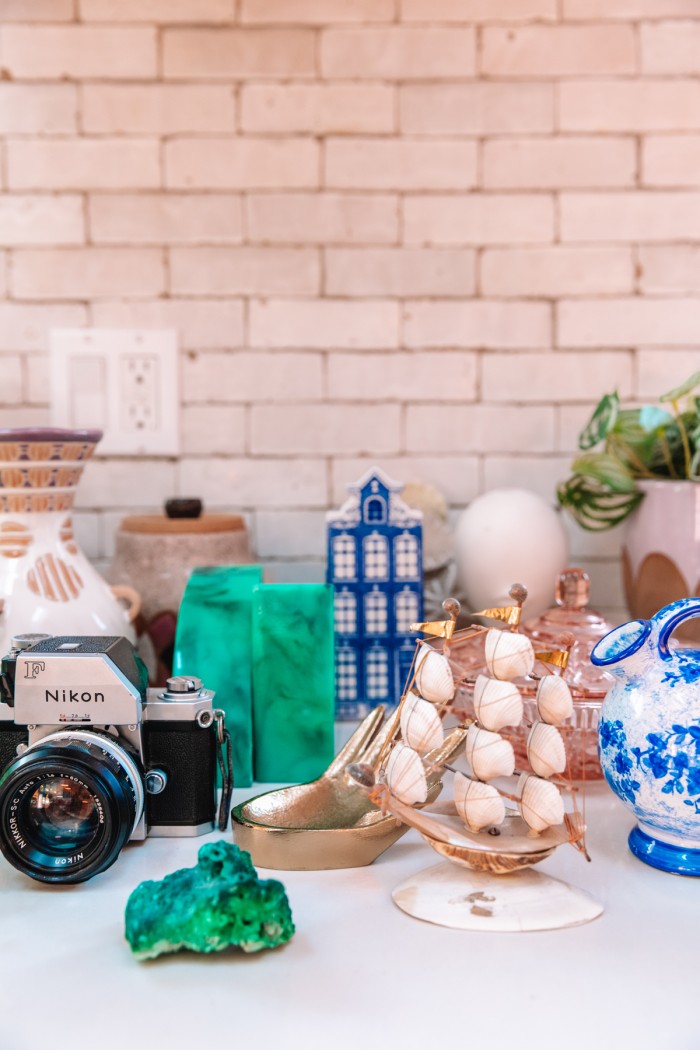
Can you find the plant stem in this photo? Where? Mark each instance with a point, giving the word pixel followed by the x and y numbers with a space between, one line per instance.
pixel 684 437
pixel 666 449
pixel 634 459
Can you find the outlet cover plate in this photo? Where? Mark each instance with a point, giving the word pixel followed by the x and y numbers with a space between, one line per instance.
pixel 123 381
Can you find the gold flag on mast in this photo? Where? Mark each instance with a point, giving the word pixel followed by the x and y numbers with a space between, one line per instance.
pixel 438 628
pixel 509 614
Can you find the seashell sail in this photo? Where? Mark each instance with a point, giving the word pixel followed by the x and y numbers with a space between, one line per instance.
pixel 434 680
pixel 545 750
pixel 421 727
pixel 405 775
pixel 488 754
pixel 541 805
pixel 554 701
pixel 497 704
pixel 479 805
pixel 508 655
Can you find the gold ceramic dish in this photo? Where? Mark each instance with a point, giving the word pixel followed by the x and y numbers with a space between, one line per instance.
pixel 330 822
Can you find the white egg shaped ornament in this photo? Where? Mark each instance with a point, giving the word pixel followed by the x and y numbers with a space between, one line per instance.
pixel 479 805
pixel 434 679
pixel 541 805
pixel 545 750
pixel 508 655
pixel 488 754
pixel 421 727
pixel 554 701
pixel 405 775
pixel 497 704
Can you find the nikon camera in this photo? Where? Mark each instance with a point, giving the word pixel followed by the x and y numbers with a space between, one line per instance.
pixel 90 759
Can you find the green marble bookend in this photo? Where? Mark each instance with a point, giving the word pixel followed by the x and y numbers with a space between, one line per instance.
pixel 293 681
pixel 213 641
pixel 219 903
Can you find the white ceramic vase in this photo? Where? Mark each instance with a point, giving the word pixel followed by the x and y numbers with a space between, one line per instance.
pixel 47 585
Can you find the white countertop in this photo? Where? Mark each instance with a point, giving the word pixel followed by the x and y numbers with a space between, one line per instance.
pixel 359 974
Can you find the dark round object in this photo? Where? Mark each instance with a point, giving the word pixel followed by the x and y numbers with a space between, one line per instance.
pixel 183 508
pixel 67 807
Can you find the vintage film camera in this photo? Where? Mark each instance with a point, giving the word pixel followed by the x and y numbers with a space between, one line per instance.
pixel 90 759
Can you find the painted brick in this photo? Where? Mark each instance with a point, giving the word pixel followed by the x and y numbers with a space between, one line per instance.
pixel 559 162
pixel 480 108
pixel 245 271
pixel 628 322
pixel 209 430
pixel 37 11
pixel 26 327
pixel 25 417
pixel 477 10
pixel 323 218
pixel 318 108
pixel 38 219
pixel 158 109
pixel 3 273
pixel 290 534
pixel 87 273
pixel 629 9
pixel 37 378
pixel 202 324
pixel 326 429
pixel 571 419
pixel 241 163
pixel 497 428
pixel 156 10
pixel 291 12
pixel 671 160
pixel 401 53
pixel 11 386
pixel 248 377
pixel 662 370
pixel 630 216
pixel 324 324
pixel 629 105
pixel 535 473
pixel 479 219
pixel 550 272
pixel 551 51
pixel 669 269
pixel 482 323
pixel 425 376
pixel 78 51
pixel 238 53
pixel 66 164
pixel 132 482
pixel 386 164
pixel 255 482
pixel 563 377
pixel 457 477
pixel 399 271
pixel 165 218
pixel 41 109
pixel 671 47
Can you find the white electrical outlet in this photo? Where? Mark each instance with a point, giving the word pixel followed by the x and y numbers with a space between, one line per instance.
pixel 123 381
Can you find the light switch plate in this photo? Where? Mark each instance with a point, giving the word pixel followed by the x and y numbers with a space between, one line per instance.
pixel 123 381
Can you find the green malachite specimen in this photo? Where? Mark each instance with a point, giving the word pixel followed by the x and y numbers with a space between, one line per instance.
pixel 219 903
pixel 213 641
pixel 293 680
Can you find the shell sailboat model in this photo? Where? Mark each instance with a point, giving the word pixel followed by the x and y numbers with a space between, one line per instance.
pixel 500 820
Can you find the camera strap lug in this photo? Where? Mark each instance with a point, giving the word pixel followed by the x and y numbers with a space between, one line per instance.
pixel 224 755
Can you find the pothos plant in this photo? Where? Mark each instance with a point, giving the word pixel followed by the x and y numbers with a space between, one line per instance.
pixel 654 441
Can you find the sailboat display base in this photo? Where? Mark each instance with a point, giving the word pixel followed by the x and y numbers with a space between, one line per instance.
pixel 448 895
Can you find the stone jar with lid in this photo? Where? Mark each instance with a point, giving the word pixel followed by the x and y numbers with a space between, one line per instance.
pixel 157 553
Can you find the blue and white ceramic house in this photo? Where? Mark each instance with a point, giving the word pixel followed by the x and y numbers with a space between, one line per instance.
pixel 375 563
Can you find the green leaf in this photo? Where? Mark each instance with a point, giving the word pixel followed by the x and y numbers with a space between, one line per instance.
pixel 685 388
pixel 651 418
pixel 601 422
pixel 695 466
pixel 605 469
pixel 595 507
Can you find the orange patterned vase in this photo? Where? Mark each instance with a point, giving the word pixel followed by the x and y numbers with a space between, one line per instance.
pixel 47 585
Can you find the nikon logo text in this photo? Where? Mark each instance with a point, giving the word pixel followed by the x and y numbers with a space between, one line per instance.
pixel 71 696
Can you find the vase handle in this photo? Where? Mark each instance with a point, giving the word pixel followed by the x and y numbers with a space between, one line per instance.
pixel 123 592
pixel 671 617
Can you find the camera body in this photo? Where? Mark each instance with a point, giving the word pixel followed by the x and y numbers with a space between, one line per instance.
pixel 78 723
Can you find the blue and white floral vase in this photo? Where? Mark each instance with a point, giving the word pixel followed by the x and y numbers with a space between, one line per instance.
pixel 649 736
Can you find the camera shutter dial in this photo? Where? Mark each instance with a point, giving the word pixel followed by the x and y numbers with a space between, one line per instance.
pixel 183 685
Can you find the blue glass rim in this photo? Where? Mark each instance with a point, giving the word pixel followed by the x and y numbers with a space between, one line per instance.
pixel 677 860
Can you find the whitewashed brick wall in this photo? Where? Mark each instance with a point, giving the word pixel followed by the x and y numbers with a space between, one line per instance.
pixel 423 233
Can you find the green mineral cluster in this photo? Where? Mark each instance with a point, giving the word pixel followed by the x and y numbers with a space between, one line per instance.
pixel 219 903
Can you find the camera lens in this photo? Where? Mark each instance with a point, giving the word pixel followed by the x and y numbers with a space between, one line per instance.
pixel 68 805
